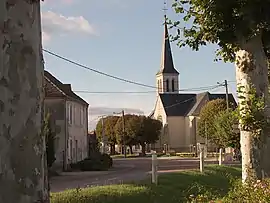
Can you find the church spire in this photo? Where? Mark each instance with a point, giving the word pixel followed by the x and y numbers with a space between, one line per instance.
pixel 167 65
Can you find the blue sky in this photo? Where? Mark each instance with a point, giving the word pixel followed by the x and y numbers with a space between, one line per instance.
pixel 122 38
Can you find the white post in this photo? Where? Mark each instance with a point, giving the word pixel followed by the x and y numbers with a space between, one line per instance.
pixel 154 168
pixel 220 157
pixel 201 159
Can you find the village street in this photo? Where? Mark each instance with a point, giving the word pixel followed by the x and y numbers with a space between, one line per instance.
pixel 124 170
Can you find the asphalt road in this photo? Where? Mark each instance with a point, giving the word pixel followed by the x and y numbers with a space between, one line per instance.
pixel 124 170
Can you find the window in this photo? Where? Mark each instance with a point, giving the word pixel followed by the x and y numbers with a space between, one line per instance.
pixel 70 116
pixel 173 85
pixel 158 86
pixel 82 116
pixel 167 85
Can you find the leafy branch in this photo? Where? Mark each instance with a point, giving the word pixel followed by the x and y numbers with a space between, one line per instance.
pixel 252 111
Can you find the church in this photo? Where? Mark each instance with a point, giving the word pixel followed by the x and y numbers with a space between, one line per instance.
pixel 179 112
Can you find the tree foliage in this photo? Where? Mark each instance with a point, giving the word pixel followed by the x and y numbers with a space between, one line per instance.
pixel 122 135
pixel 138 130
pixel 208 113
pixel 151 130
pixel 49 137
pixel 217 124
pixel 225 23
pixel 225 124
pixel 109 128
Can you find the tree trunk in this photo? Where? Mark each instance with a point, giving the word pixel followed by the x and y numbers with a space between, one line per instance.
pixel 130 147
pixel 251 72
pixel 143 149
pixel 112 147
pixel 23 170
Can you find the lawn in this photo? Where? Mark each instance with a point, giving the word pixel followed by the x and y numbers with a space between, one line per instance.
pixel 172 188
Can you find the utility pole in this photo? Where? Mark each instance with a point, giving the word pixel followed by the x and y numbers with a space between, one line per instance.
pixel 124 138
pixel 103 135
pixel 227 93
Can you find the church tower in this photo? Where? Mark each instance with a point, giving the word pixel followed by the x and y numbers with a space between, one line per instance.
pixel 167 78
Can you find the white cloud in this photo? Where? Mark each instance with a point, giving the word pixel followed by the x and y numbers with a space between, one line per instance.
pixel 95 112
pixel 57 24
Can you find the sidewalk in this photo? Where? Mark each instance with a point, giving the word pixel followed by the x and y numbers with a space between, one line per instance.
pixel 89 174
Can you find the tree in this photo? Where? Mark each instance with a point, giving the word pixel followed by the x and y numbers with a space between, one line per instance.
pixel 50 138
pixel 206 127
pixel 133 129
pixel 241 29
pixel 150 132
pixel 22 154
pixel 109 123
pixel 122 137
pixel 224 124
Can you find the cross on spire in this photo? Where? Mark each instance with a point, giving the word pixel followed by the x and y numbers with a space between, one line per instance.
pixel 165 8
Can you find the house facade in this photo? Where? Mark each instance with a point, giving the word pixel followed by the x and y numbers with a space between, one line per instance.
pixel 179 112
pixel 69 118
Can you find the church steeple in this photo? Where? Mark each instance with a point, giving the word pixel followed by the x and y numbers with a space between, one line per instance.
pixel 167 77
pixel 166 65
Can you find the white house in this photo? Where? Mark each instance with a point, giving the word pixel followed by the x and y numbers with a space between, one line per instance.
pixel 69 115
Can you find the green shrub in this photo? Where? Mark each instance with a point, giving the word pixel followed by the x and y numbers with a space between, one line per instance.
pixel 97 162
pixel 106 160
pixel 252 192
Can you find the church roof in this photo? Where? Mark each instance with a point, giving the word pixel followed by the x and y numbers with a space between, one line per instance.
pixel 189 104
pixel 167 65
pixel 177 104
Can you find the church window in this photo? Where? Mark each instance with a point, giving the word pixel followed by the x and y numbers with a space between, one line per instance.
pixel 173 85
pixel 167 85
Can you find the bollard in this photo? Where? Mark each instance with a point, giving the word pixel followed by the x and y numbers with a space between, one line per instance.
pixel 154 168
pixel 201 160
pixel 220 157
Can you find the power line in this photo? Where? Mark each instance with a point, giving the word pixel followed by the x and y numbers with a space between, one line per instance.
pixel 170 106
pixel 90 92
pixel 119 78
pixel 96 71
pixel 181 102
pixel 144 92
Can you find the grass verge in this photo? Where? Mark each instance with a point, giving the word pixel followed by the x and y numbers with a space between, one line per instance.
pixel 214 183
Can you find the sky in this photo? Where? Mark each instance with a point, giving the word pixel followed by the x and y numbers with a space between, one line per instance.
pixel 121 38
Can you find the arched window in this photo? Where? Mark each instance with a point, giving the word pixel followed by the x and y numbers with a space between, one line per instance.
pixel 167 85
pixel 173 85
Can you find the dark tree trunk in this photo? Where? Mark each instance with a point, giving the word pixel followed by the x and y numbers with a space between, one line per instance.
pixel 130 147
pixel 112 148
pixel 143 149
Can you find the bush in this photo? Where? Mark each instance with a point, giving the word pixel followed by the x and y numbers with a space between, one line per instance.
pixel 252 192
pixel 106 160
pixel 97 162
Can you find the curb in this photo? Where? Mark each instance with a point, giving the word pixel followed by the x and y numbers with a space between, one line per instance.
pixel 110 171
